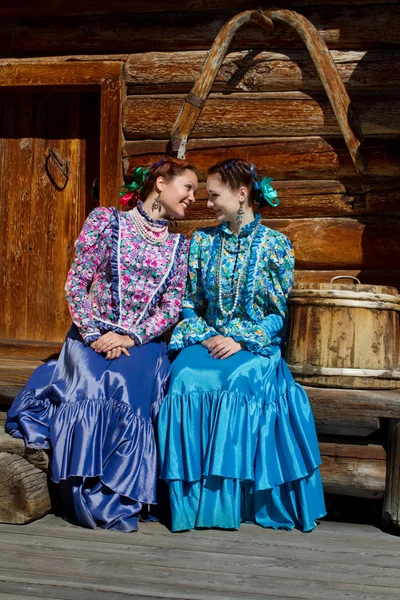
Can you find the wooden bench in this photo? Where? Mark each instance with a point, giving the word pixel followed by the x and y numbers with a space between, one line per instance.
pixel 354 464
pixel 359 433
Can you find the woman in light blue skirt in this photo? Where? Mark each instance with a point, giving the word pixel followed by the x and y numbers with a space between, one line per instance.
pixel 237 439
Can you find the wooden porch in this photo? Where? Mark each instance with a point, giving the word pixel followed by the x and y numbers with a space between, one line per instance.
pixel 50 558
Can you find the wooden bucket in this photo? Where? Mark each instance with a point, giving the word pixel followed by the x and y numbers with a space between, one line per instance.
pixel 344 336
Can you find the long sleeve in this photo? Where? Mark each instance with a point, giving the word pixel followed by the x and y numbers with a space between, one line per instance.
pixel 90 249
pixel 277 276
pixel 168 309
pixel 193 329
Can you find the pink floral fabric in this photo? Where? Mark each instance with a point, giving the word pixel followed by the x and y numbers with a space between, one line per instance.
pixel 118 282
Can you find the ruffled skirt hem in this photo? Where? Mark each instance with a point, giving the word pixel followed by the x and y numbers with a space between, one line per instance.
pixel 223 503
pixel 95 438
pixel 230 457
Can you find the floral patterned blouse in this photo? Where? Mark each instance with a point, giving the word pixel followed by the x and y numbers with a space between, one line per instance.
pixel 118 282
pixel 260 317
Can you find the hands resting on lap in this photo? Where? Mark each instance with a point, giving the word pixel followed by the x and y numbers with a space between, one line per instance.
pixel 221 347
pixel 112 345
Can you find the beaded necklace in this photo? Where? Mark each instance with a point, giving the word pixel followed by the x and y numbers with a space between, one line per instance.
pixel 152 233
pixel 229 313
pixel 157 223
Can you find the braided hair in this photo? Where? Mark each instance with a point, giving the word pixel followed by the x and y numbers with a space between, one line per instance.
pixel 236 172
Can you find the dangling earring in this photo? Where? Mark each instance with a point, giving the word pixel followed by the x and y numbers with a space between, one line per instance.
pixel 156 204
pixel 240 213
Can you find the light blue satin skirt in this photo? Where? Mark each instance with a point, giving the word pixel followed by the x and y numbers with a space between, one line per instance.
pixel 237 442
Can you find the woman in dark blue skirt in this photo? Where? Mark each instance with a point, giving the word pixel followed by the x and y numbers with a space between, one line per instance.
pixel 95 406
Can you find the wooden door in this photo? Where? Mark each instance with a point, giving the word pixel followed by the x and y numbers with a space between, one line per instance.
pixel 42 208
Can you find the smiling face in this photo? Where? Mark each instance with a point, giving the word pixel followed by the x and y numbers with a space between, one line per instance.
pixel 224 201
pixel 178 194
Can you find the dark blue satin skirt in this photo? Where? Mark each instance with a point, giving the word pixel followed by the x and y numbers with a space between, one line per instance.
pixel 237 443
pixel 96 417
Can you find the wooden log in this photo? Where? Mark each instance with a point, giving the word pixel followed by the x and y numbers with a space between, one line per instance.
pixel 351 27
pixel 28 73
pixel 361 427
pixel 391 505
pixel 24 8
pixel 367 242
pixel 16 371
pixel 11 445
pixel 350 405
pixel 74 58
pixel 320 198
pixel 24 495
pixel 292 158
pixel 353 470
pixel 264 114
pixel 7 395
pixel 28 349
pixel 252 71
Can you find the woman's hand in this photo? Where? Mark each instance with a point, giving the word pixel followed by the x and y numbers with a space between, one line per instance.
pixel 210 343
pixel 222 347
pixel 112 341
pixel 116 353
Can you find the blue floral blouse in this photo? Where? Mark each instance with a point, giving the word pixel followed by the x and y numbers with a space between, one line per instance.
pixel 260 317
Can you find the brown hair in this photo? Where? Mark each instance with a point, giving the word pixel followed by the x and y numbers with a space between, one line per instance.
pixel 235 173
pixel 169 168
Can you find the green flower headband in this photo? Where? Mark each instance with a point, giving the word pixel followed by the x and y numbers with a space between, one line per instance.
pixel 265 192
pixel 129 190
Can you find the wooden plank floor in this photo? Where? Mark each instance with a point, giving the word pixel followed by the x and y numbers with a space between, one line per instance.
pixel 52 559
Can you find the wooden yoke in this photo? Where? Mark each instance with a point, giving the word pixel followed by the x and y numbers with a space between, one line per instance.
pixel 320 55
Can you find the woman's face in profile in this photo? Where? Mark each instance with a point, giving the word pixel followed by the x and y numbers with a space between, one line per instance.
pixel 178 194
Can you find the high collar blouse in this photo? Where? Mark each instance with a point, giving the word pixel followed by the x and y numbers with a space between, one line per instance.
pixel 119 282
pixel 263 259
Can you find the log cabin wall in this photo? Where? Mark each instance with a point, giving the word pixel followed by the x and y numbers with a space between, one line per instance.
pixel 267 105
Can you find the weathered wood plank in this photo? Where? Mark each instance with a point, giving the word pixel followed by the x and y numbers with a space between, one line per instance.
pixel 209 577
pixel 391 505
pixel 366 242
pixel 15 182
pixel 15 371
pixel 356 478
pixel 16 590
pixel 54 205
pixel 320 198
pixel 24 8
pixel 111 140
pixel 24 494
pixel 349 27
pixel 362 427
pixel 359 451
pixel 260 71
pixel 292 158
pixel 378 546
pixel 57 73
pixel 264 114
pixel 351 404
pixel 353 470
pixel 29 349
pixel 11 445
